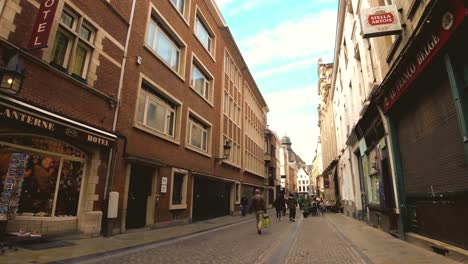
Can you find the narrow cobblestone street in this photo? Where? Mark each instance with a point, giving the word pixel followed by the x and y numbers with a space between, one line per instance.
pixel 308 240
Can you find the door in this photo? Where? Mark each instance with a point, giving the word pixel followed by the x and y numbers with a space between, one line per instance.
pixel 138 192
pixel 211 199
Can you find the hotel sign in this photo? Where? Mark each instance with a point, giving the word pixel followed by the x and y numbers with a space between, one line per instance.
pixel 426 46
pixel 13 114
pixel 43 25
pixel 380 21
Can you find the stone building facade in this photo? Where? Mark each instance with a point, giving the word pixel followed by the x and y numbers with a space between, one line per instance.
pixel 401 111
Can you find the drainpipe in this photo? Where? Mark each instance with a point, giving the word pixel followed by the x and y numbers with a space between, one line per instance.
pixel 119 95
pixel 108 221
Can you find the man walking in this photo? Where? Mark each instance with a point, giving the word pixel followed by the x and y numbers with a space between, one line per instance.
pixel 279 206
pixel 292 204
pixel 258 206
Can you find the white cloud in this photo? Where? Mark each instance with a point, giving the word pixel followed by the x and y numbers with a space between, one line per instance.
pixel 223 3
pixel 286 67
pixel 293 39
pixel 293 114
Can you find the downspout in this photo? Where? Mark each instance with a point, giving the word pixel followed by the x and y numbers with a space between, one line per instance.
pixel 119 95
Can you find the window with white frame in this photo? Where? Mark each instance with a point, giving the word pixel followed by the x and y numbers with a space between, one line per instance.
pixel 201 82
pixel 73 45
pixel 203 34
pixel 161 42
pixel 238 193
pixel 179 189
pixel 199 134
pixel 179 4
pixel 156 113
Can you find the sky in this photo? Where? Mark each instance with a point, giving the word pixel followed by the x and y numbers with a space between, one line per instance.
pixel 281 41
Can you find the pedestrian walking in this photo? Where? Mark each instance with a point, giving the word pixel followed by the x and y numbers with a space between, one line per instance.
pixel 279 206
pixel 244 204
pixel 258 206
pixel 292 204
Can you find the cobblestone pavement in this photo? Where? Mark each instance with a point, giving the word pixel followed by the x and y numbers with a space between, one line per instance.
pixel 235 244
pixel 326 239
pixel 319 242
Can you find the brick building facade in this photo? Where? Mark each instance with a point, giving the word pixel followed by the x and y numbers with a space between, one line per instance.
pixel 187 95
pixel 55 133
pixel 139 98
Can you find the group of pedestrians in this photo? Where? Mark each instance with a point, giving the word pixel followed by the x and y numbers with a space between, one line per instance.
pixel 313 205
pixel 282 204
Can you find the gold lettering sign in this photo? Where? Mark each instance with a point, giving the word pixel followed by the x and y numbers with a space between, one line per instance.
pixel 28 119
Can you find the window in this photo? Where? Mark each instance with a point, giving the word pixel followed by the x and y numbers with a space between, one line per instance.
pixel 179 4
pixel 204 35
pixel 238 193
pixel 156 113
pixel 178 190
pixel 201 82
pixel 51 179
pixel 73 45
pixel 161 42
pixel 198 134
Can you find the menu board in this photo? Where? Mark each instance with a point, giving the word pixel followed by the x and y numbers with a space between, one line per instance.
pixel 11 192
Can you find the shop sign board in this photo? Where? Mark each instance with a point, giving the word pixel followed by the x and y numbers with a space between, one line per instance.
pixel 426 46
pixel 380 21
pixel 43 25
pixel 37 121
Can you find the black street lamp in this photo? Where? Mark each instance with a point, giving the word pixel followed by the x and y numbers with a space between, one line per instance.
pixel 12 76
pixel 226 151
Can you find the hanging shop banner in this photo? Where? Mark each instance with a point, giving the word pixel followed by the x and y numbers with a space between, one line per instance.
pixel 380 21
pixel 43 25
pixel 426 46
pixel 37 121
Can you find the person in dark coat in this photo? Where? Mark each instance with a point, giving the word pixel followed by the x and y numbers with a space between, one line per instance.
pixel 258 205
pixel 292 204
pixel 280 205
pixel 244 203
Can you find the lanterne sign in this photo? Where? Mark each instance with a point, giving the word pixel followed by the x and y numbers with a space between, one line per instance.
pixel 380 21
pixel 44 20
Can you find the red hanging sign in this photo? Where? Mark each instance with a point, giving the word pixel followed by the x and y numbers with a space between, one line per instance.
pixel 43 25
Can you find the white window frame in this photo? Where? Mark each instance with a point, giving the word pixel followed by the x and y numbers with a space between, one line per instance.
pixel 208 84
pixel 183 11
pixel 145 81
pixel 157 23
pixel 158 33
pixel 201 20
pixel 193 123
pixel 183 204
pixel 194 119
pixel 156 100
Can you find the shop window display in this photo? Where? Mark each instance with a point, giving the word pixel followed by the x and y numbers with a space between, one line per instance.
pixel 51 183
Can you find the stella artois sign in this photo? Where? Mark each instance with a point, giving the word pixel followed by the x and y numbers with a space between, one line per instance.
pixel 380 21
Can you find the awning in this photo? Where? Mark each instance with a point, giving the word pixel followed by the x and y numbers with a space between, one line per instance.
pixel 19 112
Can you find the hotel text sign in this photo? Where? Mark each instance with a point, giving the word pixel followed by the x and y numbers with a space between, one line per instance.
pixel 43 25
pixel 425 48
pixel 8 113
pixel 380 21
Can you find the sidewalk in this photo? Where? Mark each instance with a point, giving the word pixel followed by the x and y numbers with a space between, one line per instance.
pixel 376 246
pixel 88 246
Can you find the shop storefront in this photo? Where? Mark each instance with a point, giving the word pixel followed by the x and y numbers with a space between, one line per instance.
pixel 426 102
pixel 375 178
pixel 49 169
